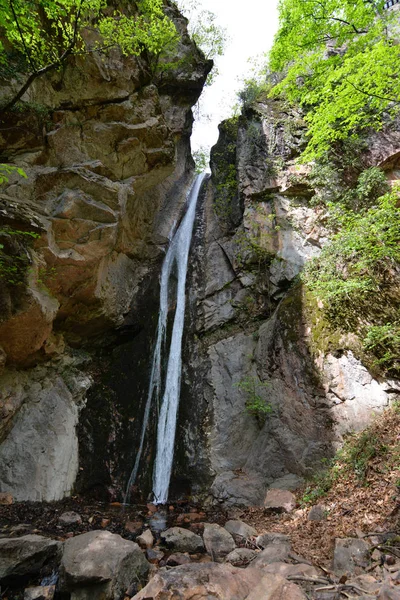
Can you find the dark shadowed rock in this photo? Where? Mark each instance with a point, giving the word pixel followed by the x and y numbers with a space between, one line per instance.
pixel 26 555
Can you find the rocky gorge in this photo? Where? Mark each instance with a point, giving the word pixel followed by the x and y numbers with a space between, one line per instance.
pixel 269 391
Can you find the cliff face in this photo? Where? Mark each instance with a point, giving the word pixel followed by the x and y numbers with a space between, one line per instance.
pixel 277 399
pixel 107 156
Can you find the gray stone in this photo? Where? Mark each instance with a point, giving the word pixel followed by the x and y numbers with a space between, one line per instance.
pixel 100 563
pixel 182 540
pixel 274 553
pixel 39 457
pixel 240 531
pixel 154 555
pixel 241 557
pixel 243 489
pixel 218 541
pixel 26 555
pixel 317 513
pixel 280 500
pixel 266 539
pixel 349 554
pixel 287 482
pixel 70 518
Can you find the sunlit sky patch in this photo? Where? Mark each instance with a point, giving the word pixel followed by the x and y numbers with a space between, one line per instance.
pixel 250 25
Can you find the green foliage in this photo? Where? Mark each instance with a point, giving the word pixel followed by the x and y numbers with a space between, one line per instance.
pixel 341 62
pixel 358 260
pixel 14 258
pixel 45 32
pixel 6 170
pixel 356 275
pixel 256 405
pixel 253 91
pixel 201 158
pixel 210 37
pixel 384 342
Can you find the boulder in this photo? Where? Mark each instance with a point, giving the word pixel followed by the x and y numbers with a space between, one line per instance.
pixel 241 557
pixel 280 500
pixel 272 554
pixel 266 539
pixel 202 581
pixel 349 555
pixel 182 540
pixel 218 541
pixel 26 555
pixel 240 531
pixel 101 564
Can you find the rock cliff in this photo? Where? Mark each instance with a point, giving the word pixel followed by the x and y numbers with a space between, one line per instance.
pixel 106 151
pixel 274 400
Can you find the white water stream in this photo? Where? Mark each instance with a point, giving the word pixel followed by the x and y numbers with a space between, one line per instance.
pixel 177 255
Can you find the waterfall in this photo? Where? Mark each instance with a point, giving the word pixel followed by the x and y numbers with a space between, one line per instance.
pixel 177 255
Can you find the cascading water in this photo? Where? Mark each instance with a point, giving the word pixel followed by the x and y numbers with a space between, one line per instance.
pixel 178 253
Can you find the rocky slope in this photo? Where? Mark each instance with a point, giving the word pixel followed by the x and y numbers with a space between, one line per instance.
pixel 106 151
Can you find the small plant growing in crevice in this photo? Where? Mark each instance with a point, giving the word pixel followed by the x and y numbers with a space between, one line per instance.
pixel 256 405
pixel 14 256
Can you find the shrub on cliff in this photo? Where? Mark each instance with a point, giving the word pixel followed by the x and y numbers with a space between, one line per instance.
pixel 341 63
pixel 38 36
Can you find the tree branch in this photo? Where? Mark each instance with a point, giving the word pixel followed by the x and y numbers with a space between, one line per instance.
pixel 371 93
pixel 27 52
pixel 39 73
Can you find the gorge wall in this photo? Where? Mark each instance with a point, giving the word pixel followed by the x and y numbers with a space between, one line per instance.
pixel 267 393
pixel 106 150
pixel 274 388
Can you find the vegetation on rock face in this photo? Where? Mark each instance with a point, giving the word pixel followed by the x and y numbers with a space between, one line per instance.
pixel 340 60
pixel 356 277
pixel 38 36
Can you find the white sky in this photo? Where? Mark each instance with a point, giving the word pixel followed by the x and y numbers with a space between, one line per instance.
pixel 250 25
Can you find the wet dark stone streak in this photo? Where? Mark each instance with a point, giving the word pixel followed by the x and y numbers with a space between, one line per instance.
pixel 111 422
